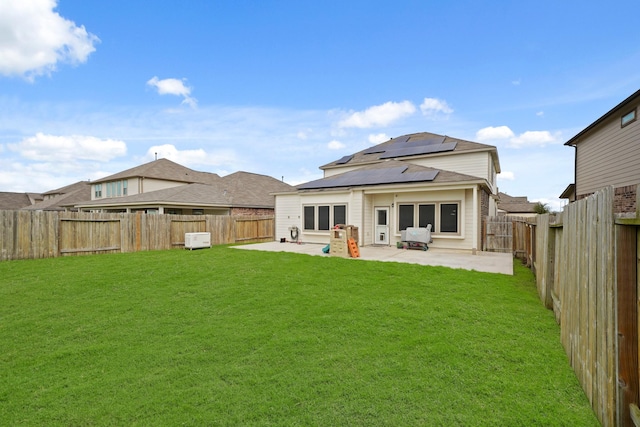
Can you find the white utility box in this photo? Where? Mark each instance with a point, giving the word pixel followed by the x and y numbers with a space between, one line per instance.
pixel 197 240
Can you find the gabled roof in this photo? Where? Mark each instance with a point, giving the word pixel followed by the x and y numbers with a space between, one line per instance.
pixel 388 172
pixel 65 197
pixel 253 190
pixel 511 204
pixel 618 109
pixel 240 189
pixel 10 201
pixel 192 194
pixel 163 169
pixel 423 144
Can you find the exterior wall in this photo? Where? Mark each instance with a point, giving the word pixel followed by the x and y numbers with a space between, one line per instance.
pixel 474 164
pixel 624 200
pixel 136 186
pixel 288 214
pixel 610 155
pixel 149 184
pixel 464 239
pixel 329 198
pixel 251 212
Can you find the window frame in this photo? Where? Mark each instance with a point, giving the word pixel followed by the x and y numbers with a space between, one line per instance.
pixel 634 116
pixel 314 209
pixel 437 212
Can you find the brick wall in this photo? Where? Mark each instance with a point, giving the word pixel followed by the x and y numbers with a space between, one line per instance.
pixel 625 199
pixel 251 212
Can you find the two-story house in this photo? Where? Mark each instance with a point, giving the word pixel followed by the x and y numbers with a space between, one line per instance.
pixel 166 187
pixel 409 181
pixel 607 153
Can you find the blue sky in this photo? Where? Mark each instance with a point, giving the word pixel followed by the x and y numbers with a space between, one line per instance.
pixel 89 88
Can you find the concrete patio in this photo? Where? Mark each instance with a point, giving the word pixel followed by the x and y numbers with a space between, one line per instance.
pixel 489 262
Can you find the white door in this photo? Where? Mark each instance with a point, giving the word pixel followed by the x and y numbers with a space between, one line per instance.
pixel 381 232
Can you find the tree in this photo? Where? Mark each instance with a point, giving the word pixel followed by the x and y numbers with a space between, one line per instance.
pixel 541 208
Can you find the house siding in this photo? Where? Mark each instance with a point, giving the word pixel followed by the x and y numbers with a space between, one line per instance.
pixel 610 155
pixel 474 164
pixel 287 214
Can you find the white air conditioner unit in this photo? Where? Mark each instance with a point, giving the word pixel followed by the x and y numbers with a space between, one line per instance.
pixel 197 240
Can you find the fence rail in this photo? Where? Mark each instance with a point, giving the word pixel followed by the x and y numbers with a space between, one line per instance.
pixel 33 234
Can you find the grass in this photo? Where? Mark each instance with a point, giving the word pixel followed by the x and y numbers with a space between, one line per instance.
pixel 228 337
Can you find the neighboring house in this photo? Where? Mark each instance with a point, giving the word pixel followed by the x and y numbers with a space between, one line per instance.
pixel 12 201
pixel 408 181
pixel 165 187
pixel 64 198
pixel 515 206
pixel 607 153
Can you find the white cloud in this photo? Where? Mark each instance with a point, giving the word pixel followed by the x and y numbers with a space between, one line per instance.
pixel 540 113
pixel 52 148
pixel 506 176
pixel 35 38
pixel 494 133
pixel 378 138
pixel 378 115
pixel 335 145
pixel 432 106
pixel 534 139
pixel 526 139
pixel 516 82
pixel 173 87
pixel 194 157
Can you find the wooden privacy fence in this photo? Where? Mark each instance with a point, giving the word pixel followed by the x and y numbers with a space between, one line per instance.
pixel 33 234
pixel 509 234
pixel 586 264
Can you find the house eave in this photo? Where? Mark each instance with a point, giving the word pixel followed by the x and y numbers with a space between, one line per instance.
pixel 576 139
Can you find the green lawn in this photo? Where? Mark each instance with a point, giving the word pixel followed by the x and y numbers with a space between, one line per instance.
pixel 228 337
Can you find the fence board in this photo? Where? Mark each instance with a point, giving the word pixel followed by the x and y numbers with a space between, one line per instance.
pixel 583 297
pixel 37 234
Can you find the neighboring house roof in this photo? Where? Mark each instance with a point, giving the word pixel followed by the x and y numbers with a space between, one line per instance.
pixel 10 201
pixel 64 197
pixel 389 172
pixel 163 169
pixel 569 192
pixel 253 190
pixel 515 205
pixel 240 189
pixel 411 146
pixel 614 111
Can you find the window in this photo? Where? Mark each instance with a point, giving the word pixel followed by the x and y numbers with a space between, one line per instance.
pixel 197 212
pixel 449 218
pixel 309 217
pixel 443 217
pixel 116 188
pixel 340 214
pixel 405 216
pixel 98 191
pixel 324 217
pixel 427 215
pixel 628 118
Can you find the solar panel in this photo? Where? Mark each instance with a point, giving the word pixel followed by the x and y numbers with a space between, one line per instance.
pixel 381 148
pixel 423 149
pixel 391 175
pixel 344 160
pixel 374 149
